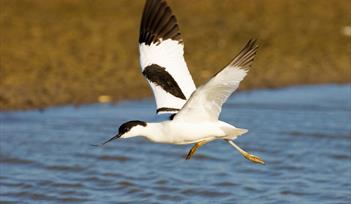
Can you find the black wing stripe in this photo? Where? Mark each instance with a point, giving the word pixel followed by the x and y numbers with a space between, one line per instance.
pixel 159 76
pixel 163 109
pixel 158 22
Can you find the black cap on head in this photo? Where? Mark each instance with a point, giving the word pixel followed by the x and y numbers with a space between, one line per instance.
pixel 125 127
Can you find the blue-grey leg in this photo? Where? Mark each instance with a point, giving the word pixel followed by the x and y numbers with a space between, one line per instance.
pixel 194 148
pixel 248 156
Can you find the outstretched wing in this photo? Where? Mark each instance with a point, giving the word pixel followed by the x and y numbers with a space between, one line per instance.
pixel 161 57
pixel 206 102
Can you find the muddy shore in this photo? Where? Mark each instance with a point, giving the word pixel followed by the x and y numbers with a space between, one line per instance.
pixel 77 52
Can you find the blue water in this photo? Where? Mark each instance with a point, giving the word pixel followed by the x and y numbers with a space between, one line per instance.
pixel 302 133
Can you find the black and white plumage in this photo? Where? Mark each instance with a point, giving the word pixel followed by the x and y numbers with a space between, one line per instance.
pixel 195 117
pixel 161 57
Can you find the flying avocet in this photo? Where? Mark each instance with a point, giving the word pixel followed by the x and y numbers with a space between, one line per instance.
pixel 195 112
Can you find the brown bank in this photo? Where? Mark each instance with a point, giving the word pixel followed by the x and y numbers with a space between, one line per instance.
pixel 74 51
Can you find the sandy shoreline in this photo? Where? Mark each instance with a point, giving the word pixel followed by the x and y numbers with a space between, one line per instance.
pixel 109 99
pixel 70 52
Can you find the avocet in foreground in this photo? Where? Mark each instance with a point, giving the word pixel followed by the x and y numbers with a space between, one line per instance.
pixel 195 111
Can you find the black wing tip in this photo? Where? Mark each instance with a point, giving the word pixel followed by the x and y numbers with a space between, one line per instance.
pixel 158 23
pixel 246 56
pixel 252 43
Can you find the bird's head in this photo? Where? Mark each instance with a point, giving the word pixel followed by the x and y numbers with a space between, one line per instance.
pixel 131 129
pixel 128 129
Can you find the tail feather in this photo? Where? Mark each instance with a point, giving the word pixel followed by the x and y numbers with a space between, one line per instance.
pixel 236 133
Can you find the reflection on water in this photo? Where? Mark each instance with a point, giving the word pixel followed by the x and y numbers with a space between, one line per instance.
pixel 303 134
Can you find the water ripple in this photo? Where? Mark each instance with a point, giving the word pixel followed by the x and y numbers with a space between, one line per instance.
pixel 306 148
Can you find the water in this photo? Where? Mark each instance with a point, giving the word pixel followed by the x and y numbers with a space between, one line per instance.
pixel 302 133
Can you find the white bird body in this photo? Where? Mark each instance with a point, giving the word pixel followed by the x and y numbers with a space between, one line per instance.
pixel 196 112
pixel 175 132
